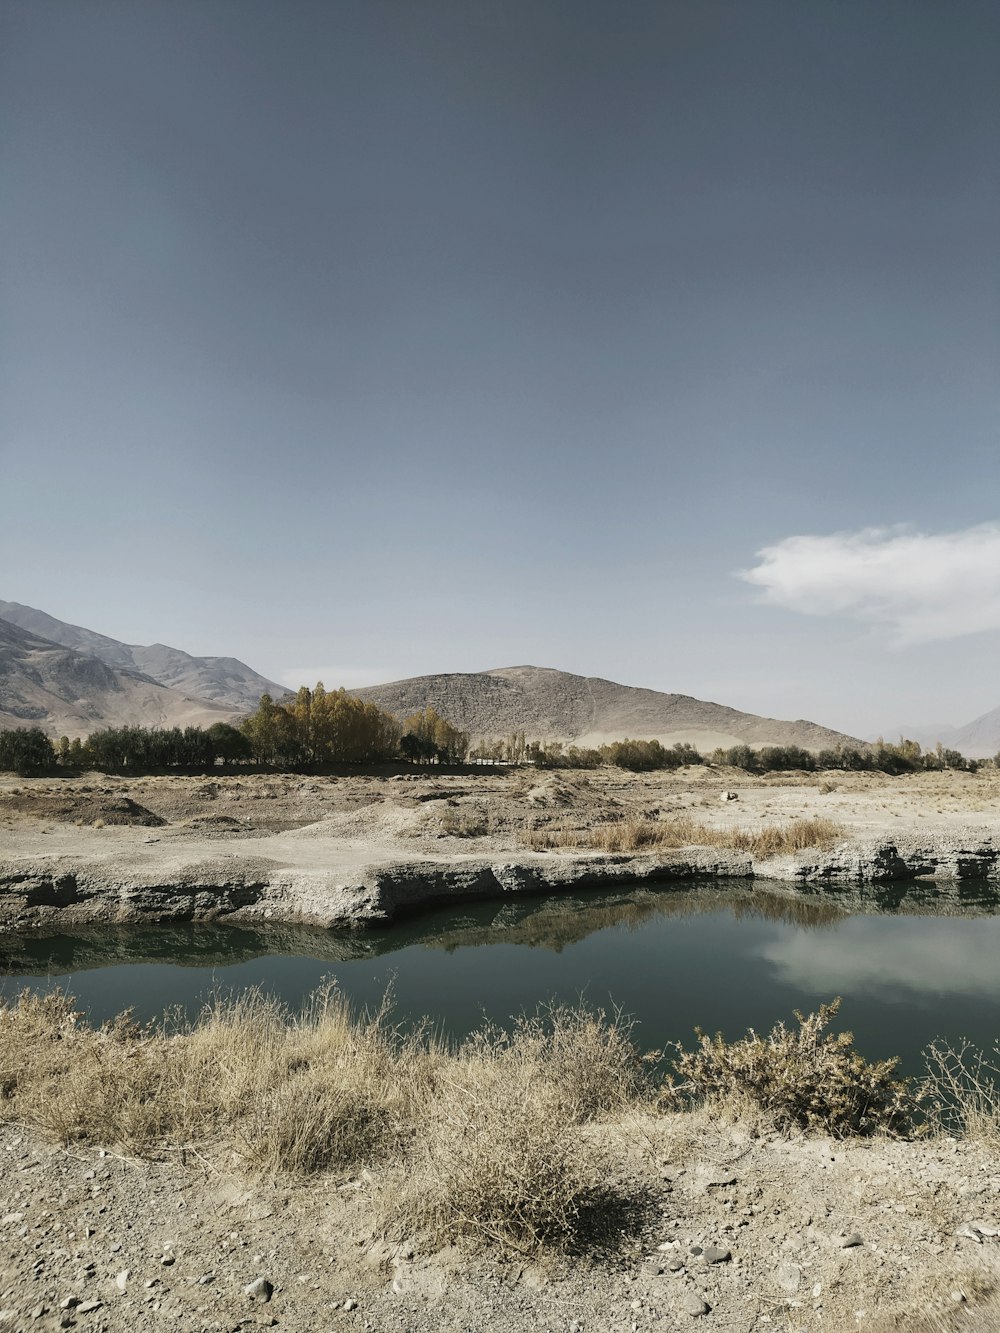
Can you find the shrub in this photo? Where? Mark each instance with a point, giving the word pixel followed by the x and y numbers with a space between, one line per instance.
pixel 963 1090
pixel 805 1078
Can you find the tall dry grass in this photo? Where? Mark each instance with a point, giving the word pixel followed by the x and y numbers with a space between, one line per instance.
pixel 481 1141
pixel 636 834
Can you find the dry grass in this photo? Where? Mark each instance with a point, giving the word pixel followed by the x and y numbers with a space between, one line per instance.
pixel 636 834
pixel 484 1138
pixel 962 1091
pixel 300 1093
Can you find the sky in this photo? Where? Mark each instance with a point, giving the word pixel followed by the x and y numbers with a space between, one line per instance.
pixel 653 341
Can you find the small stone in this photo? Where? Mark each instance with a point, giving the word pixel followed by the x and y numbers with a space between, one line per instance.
pixel 70 1303
pixel 259 1289
pixel 789 1278
pixel 696 1250
pixel 121 1281
pixel 717 1254
pixel 851 1241
pixel 958 1297
pixel 675 1266
pixel 205 1279
pixel 350 1304
pixel 39 1311
pixel 694 1305
pixel 88 1307
pixel 167 1260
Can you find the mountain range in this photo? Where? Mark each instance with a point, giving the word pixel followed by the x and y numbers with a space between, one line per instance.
pixel 71 680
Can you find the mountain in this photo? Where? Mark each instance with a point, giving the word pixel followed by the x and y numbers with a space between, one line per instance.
pixel 72 693
pixel 555 705
pixel 220 680
pixel 978 739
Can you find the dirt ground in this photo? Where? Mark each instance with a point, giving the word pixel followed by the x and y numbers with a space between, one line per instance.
pixel 746 1232
pixel 358 820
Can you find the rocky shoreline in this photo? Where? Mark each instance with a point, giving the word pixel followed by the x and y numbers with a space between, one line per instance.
pixel 248 889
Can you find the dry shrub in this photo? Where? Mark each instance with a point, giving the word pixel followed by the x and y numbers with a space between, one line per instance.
pixel 636 834
pixel 806 1078
pixel 962 1090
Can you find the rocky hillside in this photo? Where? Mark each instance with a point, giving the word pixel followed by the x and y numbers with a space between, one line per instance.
pixel 72 693
pixel 585 710
pixel 220 680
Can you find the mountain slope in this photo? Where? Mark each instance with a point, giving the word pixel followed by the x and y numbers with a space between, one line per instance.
pixel 556 705
pixel 66 692
pixel 222 680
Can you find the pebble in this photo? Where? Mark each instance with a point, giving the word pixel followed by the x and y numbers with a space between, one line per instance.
pixel 694 1305
pixel 121 1281
pixel 350 1305
pixel 789 1278
pixel 851 1241
pixel 88 1307
pixel 717 1254
pixel 259 1289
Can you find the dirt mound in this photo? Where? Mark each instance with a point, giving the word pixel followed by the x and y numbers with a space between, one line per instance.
pixel 84 808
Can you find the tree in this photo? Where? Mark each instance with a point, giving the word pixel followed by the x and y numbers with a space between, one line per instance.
pixel 26 750
pixel 229 744
pixel 447 743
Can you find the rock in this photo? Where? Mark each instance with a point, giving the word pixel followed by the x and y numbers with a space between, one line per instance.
pixel 260 1289
pixel 350 1304
pixel 675 1266
pixel 652 1268
pixel 788 1278
pixel 167 1260
pixel 39 1311
pixel 729 796
pixel 851 1241
pixel 88 1307
pixel 696 1250
pixel 70 1303
pixel 694 1305
pixel 717 1254
pixel 121 1281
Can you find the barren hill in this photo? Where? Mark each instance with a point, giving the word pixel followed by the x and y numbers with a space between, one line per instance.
pixel 72 693
pixel 585 710
pixel 222 680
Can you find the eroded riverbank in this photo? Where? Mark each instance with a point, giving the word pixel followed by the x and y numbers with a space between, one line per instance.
pixel 361 850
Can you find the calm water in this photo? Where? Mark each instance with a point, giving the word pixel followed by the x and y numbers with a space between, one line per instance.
pixel 723 959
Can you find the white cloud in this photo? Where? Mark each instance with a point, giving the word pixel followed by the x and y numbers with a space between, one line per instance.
pixel 335 677
pixel 921 585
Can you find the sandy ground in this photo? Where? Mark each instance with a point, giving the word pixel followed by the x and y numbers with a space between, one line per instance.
pixel 345 823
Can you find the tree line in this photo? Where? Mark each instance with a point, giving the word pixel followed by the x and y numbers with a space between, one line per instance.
pixel 317 727
pixel 320 727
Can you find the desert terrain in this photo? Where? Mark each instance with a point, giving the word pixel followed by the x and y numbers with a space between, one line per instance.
pixel 358 848
pixel 729 1220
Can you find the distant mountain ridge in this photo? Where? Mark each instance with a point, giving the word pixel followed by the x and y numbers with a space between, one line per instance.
pixel 70 693
pixel 548 704
pixel 978 739
pixel 219 680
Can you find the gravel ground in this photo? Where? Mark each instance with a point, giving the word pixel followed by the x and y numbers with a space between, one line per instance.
pixel 726 1228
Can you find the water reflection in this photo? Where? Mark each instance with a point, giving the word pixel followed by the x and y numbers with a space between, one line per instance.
pixel 552 923
pixel 893 954
pixel 910 964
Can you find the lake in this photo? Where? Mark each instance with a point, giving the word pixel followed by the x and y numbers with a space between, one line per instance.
pixel 723 958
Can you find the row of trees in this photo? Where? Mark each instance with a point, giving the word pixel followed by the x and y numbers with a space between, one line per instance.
pixel 332 727
pixel 318 727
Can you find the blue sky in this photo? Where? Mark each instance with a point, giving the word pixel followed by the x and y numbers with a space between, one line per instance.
pixel 370 339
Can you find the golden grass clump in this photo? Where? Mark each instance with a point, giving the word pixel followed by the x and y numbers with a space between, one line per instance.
pixel 500 1158
pixel 635 834
pixel 297 1093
